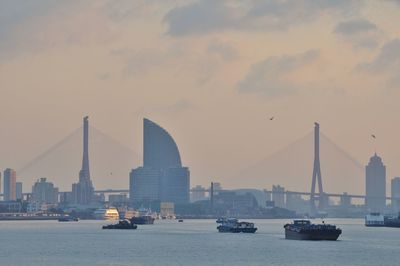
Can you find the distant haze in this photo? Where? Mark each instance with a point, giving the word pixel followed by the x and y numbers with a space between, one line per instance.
pixel 212 73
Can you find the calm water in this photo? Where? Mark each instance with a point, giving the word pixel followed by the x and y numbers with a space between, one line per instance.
pixel 193 242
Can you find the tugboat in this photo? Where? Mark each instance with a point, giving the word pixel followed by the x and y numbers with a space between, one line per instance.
pixel 123 224
pixel 392 221
pixel 305 230
pixel 232 225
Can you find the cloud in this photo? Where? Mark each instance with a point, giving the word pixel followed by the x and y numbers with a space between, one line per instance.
pixel 388 59
pixel 199 17
pixel 356 26
pixel 205 16
pixel 360 32
pixel 13 13
pixel 33 26
pixel 272 76
pixel 385 64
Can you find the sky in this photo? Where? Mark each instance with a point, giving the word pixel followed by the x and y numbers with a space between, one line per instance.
pixel 210 72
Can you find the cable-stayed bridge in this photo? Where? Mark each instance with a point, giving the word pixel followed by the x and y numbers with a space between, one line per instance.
pixel 111 163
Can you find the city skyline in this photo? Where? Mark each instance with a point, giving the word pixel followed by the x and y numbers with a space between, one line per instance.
pixel 214 85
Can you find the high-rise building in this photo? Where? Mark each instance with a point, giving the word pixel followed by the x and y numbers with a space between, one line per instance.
pixel 345 201
pixel 18 190
pixel 395 186
pixel 44 192
pixel 198 193
pixel 83 191
pixel 375 184
pixel 162 177
pixel 278 196
pixel 10 179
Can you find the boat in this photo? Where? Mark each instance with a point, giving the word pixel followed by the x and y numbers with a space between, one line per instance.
pixel 145 219
pixel 106 214
pixel 180 221
pixel 375 219
pixel 392 221
pixel 305 230
pixel 232 225
pixel 122 224
pixel 68 219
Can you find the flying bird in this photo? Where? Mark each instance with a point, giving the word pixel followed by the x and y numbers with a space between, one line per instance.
pixel 373 136
pixel 271 118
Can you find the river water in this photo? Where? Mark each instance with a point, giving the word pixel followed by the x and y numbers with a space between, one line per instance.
pixel 193 242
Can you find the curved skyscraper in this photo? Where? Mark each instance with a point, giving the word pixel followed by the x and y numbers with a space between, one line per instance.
pixel 159 148
pixel 162 177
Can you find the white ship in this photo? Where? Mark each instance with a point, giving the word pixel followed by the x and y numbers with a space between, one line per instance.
pixel 106 214
pixel 374 219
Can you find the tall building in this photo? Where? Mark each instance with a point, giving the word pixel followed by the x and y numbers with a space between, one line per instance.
pixel 375 184
pixel 44 192
pixel 278 196
pixel 83 191
pixel 10 179
pixel 395 186
pixel 162 177
pixel 18 190
pixel 198 193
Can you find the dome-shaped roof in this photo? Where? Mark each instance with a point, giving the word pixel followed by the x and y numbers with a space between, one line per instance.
pixel 375 159
pixel 159 148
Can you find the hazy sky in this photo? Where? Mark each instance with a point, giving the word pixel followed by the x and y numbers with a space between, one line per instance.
pixel 210 72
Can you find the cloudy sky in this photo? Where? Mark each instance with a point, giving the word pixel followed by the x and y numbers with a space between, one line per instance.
pixel 210 72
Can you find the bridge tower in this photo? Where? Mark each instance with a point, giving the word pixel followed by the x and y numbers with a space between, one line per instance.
pixel 316 177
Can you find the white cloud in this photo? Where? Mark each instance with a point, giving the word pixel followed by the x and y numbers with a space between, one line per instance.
pixel 270 77
pixel 385 64
pixel 205 16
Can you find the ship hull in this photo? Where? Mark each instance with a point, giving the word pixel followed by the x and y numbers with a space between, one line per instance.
pixel 312 235
pixel 392 223
pixel 142 220
pixel 224 229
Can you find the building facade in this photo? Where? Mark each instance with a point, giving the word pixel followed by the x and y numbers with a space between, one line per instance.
pixel 10 180
pixel 18 190
pixel 278 196
pixel 375 184
pixel 395 187
pixel 162 177
pixel 44 192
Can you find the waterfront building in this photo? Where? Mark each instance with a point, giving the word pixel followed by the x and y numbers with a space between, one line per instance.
pixel 10 179
pixel 278 196
pixel 198 193
pixel 44 192
pixel 345 201
pixel 395 187
pixel 117 200
pixel 18 190
pixel 232 203
pixel 83 191
pixel 162 177
pixel 10 206
pixel 375 181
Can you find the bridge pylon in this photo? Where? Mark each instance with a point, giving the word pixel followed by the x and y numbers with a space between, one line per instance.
pixel 316 177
